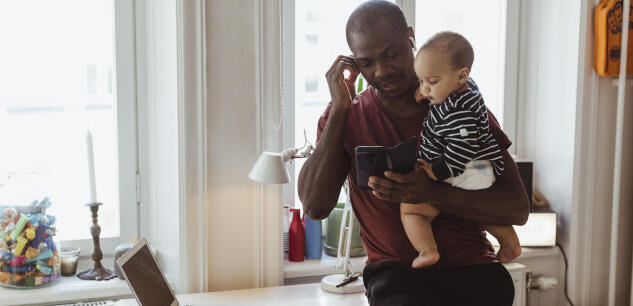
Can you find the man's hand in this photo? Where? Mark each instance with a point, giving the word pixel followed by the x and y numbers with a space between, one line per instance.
pixel 342 89
pixel 399 187
pixel 427 168
pixel 505 203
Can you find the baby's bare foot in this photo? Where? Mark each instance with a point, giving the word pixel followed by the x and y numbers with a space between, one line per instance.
pixel 508 252
pixel 426 259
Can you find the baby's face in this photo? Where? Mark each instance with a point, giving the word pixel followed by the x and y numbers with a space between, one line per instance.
pixel 438 78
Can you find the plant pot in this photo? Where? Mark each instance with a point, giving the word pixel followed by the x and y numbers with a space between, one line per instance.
pixel 333 231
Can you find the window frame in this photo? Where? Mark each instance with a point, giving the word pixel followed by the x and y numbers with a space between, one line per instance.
pixel 124 70
pixel 510 85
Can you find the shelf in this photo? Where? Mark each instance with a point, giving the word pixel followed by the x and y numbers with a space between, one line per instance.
pixel 615 81
pixel 534 252
pixel 319 267
pixel 316 268
pixel 69 289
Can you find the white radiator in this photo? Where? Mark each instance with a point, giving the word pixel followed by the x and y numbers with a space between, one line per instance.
pixel 517 272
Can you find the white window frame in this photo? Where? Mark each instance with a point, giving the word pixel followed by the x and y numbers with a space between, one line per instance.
pixel 124 71
pixel 288 124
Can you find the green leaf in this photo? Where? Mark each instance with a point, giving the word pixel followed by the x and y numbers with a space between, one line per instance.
pixel 360 86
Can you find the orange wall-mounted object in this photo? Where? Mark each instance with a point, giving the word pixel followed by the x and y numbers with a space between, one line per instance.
pixel 607 30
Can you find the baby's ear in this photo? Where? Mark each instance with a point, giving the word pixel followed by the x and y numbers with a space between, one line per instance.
pixel 462 74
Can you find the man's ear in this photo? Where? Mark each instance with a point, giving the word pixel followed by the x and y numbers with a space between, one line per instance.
pixel 462 75
pixel 411 35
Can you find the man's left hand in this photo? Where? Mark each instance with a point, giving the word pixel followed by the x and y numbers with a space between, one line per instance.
pixel 427 168
pixel 401 187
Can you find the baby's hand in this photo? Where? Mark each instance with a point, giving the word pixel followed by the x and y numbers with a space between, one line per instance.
pixel 419 97
pixel 424 165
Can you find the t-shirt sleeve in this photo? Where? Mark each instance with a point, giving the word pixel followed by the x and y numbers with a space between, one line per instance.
pixel 502 139
pixel 323 121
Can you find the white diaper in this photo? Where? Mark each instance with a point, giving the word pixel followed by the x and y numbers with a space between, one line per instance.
pixel 478 174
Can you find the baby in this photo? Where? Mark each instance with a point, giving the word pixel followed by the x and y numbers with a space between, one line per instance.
pixel 457 146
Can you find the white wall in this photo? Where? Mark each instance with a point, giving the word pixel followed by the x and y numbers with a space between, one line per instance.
pixel 601 211
pixel 232 140
pixel 566 124
pixel 546 114
pixel 213 227
pixel 547 100
pixel 591 236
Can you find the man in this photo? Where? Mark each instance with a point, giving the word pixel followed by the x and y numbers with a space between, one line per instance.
pixel 386 114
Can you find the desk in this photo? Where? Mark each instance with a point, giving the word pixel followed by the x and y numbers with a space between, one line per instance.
pixel 305 294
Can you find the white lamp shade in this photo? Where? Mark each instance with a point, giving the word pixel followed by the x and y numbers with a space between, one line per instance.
pixel 270 168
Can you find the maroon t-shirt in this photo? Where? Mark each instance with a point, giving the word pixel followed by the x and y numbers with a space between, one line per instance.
pixel 460 242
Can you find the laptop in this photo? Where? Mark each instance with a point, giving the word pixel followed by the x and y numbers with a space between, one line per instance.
pixel 145 278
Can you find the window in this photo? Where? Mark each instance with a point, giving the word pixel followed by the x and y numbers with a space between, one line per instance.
pixel 319 29
pixel 486 35
pixel 58 80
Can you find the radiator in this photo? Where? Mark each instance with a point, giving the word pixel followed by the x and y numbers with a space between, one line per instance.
pixel 517 272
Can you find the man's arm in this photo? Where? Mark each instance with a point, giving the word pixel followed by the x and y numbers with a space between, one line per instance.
pixel 505 203
pixel 323 174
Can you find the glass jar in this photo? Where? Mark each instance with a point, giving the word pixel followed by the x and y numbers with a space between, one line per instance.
pixel 28 254
pixel 69 258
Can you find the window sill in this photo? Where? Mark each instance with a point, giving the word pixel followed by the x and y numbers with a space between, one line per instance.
pixel 69 289
pixel 536 252
pixel 312 270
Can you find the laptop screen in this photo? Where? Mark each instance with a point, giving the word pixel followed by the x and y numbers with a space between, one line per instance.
pixel 147 280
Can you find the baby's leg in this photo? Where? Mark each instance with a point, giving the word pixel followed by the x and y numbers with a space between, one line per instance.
pixel 416 219
pixel 509 242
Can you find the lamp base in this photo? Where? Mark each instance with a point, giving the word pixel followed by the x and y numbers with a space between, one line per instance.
pixel 328 283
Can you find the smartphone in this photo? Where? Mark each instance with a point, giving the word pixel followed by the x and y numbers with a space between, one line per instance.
pixel 375 160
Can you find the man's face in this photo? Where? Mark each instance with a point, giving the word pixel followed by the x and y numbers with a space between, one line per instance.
pixel 438 78
pixel 385 58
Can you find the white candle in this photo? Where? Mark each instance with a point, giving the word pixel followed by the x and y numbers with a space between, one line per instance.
pixel 91 168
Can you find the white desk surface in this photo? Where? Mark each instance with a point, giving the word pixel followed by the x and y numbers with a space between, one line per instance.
pixel 305 294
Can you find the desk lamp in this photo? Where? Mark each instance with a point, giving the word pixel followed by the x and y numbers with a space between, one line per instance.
pixel 270 168
pixel 348 281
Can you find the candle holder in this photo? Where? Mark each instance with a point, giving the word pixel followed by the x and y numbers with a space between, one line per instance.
pixel 98 271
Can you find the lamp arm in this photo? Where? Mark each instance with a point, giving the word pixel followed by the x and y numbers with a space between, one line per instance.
pixel 347 268
pixel 340 256
pixel 293 153
pixel 288 154
pixel 345 237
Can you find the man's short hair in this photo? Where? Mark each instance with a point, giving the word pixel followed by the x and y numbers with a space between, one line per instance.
pixel 456 46
pixel 372 12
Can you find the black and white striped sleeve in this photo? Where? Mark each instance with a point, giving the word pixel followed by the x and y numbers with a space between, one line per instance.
pixel 460 131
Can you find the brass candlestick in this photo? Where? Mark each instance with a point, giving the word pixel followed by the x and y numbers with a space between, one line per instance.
pixel 98 271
